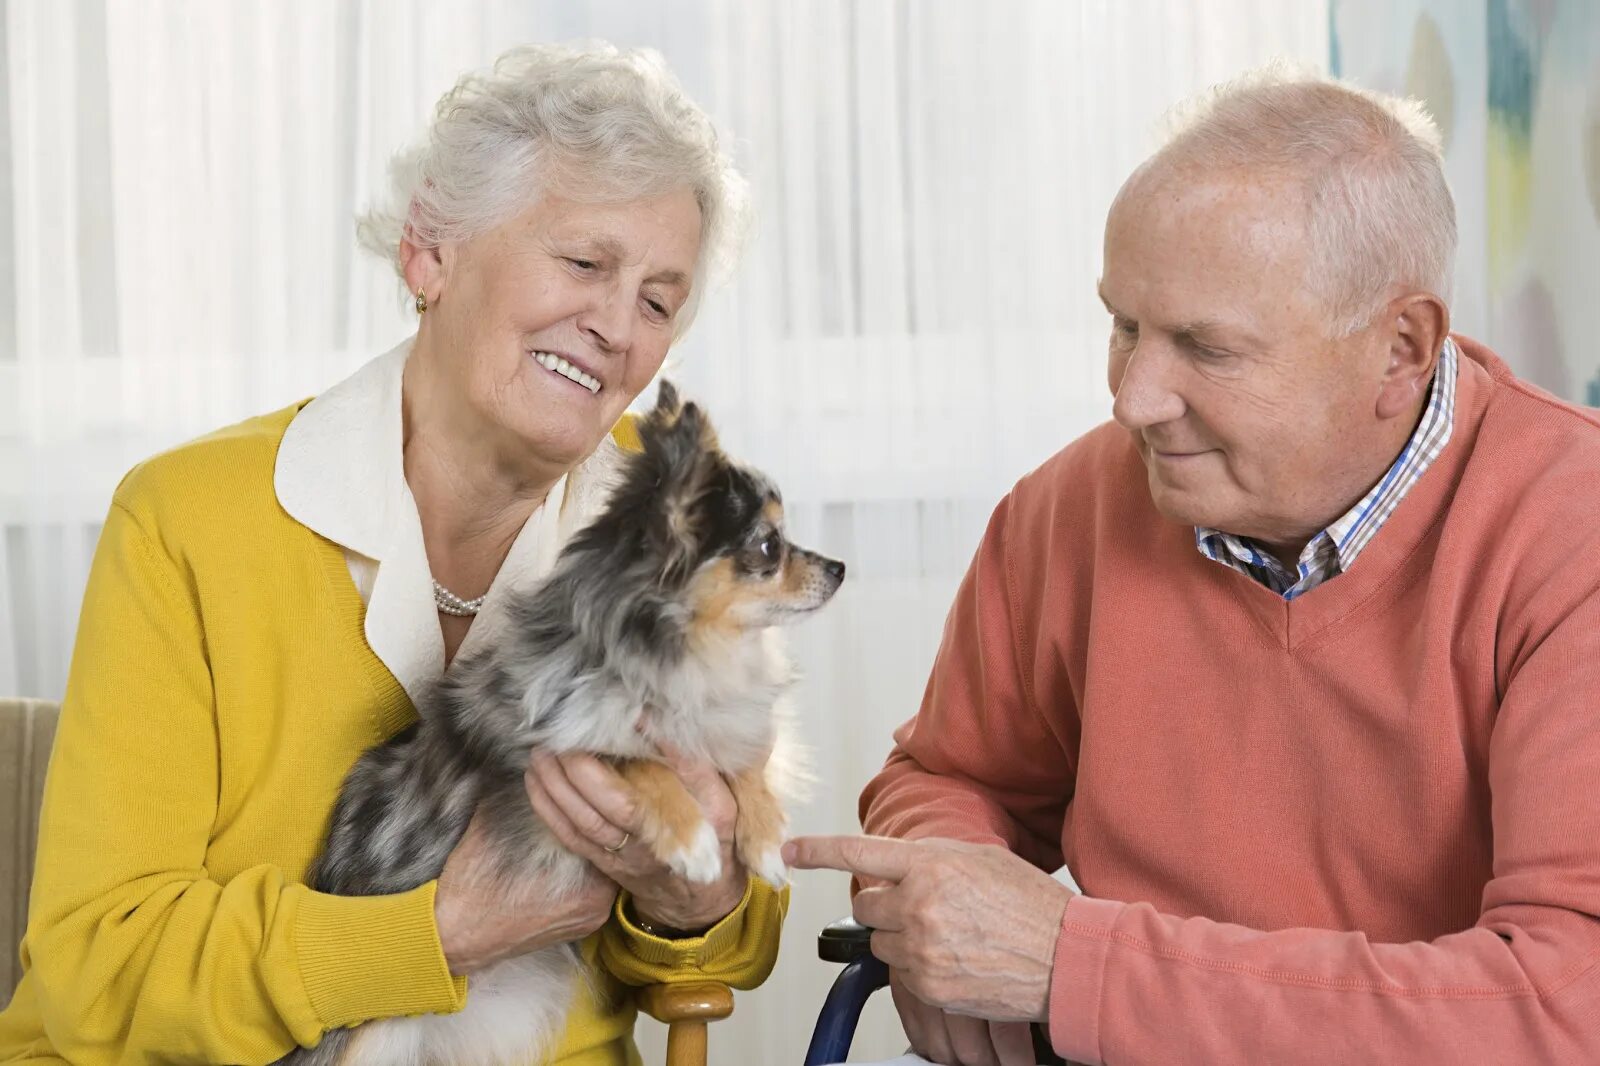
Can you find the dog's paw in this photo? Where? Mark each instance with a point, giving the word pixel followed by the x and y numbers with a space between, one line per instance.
pixel 700 860
pixel 770 867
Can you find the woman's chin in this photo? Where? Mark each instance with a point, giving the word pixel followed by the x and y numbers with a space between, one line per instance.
pixel 568 423
pixel 566 442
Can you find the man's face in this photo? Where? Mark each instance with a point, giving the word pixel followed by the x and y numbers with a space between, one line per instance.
pixel 1249 416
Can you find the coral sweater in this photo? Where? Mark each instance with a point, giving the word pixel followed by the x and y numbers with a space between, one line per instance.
pixel 1360 826
pixel 221 688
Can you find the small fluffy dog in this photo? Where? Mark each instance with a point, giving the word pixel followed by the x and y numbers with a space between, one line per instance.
pixel 656 624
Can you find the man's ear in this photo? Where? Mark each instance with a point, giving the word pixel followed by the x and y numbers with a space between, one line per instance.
pixel 1414 327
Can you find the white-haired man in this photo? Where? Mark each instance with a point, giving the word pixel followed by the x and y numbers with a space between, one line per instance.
pixel 1296 666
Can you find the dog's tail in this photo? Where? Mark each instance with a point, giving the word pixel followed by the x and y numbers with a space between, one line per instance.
pixel 327 1053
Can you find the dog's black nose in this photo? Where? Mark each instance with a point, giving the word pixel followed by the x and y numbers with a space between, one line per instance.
pixel 835 569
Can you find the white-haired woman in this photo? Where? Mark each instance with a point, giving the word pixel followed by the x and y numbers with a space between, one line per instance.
pixel 268 602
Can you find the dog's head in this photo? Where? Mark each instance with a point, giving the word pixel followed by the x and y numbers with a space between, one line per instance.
pixel 711 530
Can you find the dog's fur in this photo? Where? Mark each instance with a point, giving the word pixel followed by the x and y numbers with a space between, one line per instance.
pixel 656 625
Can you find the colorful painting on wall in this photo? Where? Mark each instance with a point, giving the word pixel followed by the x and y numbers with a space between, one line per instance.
pixel 1515 88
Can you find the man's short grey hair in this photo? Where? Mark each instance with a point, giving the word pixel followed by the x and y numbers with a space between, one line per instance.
pixel 593 123
pixel 1379 212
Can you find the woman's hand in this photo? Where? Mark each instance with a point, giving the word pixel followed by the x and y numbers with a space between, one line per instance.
pixel 481 922
pixel 592 810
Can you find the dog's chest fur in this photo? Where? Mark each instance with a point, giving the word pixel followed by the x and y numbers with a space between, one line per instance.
pixel 717 706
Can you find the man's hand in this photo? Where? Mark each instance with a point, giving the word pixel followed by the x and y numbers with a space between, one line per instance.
pixel 970 929
pixel 957 1040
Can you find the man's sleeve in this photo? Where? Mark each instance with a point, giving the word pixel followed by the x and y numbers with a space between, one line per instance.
pixel 980 762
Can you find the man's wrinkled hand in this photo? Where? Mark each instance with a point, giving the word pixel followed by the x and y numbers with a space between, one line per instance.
pixel 970 929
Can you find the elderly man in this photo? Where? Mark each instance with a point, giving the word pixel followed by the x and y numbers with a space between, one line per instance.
pixel 1296 666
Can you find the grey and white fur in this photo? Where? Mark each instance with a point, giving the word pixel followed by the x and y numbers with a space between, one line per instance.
pixel 655 625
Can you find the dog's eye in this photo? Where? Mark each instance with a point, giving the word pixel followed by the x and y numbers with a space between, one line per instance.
pixel 770 546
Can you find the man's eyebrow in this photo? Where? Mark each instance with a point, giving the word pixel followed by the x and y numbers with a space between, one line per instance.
pixel 1232 337
pixel 1198 328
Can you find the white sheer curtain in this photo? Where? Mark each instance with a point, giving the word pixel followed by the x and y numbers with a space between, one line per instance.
pixel 913 327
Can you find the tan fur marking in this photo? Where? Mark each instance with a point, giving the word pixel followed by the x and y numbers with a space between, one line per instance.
pixel 772 511
pixel 708 438
pixel 678 523
pixel 762 823
pixel 670 817
pixel 797 570
pixel 716 590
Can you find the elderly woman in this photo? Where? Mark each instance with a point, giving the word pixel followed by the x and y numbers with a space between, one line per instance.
pixel 268 602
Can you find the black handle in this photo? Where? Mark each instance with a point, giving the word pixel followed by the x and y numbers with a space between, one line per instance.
pixel 844 941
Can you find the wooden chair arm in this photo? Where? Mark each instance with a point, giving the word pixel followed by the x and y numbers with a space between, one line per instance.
pixel 685 1009
pixel 703 1000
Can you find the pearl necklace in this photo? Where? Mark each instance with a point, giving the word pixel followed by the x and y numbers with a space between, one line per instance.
pixel 450 603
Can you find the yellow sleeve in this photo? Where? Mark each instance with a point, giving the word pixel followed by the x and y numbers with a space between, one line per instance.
pixel 740 950
pixel 136 954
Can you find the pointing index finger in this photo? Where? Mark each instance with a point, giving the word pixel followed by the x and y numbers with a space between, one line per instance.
pixel 884 858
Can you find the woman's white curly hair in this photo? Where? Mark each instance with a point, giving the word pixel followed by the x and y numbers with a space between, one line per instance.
pixel 593 123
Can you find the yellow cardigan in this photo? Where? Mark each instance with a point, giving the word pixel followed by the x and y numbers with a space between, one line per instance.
pixel 220 689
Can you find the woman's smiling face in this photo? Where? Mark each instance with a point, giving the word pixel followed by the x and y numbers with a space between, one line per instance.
pixel 555 320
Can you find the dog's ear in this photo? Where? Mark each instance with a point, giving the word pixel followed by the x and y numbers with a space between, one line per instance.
pixel 694 431
pixel 667 403
pixel 676 428
pixel 682 449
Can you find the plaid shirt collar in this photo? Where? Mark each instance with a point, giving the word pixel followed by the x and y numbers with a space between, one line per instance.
pixel 1334 550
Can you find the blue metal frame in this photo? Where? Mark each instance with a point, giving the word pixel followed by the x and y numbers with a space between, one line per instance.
pixel 836 1025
